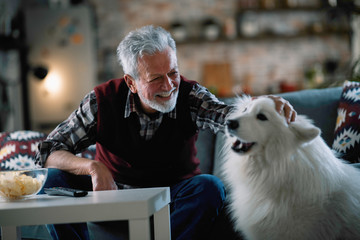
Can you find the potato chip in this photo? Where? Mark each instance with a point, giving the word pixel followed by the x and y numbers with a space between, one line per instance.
pixel 14 185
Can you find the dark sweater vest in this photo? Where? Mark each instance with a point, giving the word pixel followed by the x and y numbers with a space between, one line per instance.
pixel 167 158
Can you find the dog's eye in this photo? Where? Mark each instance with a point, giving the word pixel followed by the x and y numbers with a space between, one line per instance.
pixel 244 110
pixel 261 117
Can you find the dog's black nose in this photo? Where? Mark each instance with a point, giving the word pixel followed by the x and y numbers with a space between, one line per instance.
pixel 232 124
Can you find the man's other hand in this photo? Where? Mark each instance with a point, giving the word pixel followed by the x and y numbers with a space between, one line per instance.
pixel 101 177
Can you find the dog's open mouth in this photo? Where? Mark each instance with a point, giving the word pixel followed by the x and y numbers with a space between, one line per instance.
pixel 241 147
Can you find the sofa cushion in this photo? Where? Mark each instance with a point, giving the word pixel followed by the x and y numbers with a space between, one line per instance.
pixel 320 105
pixel 18 148
pixel 205 150
pixel 347 130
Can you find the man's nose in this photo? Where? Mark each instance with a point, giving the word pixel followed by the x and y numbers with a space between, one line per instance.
pixel 168 83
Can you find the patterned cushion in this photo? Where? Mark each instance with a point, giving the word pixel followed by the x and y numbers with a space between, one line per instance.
pixel 18 148
pixel 347 130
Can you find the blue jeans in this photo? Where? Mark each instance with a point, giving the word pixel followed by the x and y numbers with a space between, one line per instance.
pixel 195 205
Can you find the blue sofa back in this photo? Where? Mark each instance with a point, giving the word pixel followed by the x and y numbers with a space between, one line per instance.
pixel 320 105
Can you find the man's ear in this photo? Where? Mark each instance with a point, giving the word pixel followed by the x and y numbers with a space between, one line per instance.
pixel 130 82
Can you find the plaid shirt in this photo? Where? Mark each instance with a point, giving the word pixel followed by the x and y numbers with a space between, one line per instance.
pixel 78 131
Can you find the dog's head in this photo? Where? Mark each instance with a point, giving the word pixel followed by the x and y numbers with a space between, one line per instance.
pixel 256 125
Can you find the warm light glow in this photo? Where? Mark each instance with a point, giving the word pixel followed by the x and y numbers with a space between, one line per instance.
pixel 52 83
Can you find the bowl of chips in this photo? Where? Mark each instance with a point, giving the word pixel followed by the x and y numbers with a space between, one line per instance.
pixel 19 184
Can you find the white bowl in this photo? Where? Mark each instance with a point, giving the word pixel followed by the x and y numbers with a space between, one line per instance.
pixel 21 183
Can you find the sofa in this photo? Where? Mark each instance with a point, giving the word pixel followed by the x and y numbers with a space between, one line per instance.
pixel 321 105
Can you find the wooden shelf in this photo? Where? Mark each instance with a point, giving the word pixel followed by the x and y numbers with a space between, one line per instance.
pixel 309 31
pixel 260 37
pixel 300 9
pixel 284 9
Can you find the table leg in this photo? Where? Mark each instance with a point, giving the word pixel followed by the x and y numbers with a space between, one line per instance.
pixel 162 224
pixel 139 229
pixel 10 232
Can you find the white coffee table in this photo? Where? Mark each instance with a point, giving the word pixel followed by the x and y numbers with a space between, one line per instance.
pixel 134 205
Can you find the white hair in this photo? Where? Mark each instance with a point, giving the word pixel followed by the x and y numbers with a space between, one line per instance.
pixel 145 40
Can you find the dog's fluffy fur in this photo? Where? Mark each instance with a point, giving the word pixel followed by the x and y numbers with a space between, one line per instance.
pixel 284 181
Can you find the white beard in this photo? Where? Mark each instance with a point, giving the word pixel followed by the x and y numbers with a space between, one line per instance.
pixel 161 107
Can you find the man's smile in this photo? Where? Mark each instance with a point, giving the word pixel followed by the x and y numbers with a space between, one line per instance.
pixel 166 95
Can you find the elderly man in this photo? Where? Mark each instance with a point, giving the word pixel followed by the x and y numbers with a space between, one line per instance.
pixel 145 126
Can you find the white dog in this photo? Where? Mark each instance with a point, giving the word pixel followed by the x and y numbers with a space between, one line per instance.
pixel 284 181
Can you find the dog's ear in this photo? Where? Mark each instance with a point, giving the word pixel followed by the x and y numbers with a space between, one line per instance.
pixel 242 99
pixel 304 132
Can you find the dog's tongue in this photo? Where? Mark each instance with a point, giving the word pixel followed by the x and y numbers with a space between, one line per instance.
pixel 236 144
pixel 239 146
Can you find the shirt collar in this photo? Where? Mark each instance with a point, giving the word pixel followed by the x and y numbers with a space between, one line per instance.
pixel 130 107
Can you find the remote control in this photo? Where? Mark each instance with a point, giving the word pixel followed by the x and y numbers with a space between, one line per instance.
pixel 65 192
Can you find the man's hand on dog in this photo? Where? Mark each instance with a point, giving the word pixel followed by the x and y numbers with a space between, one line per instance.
pixel 283 106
